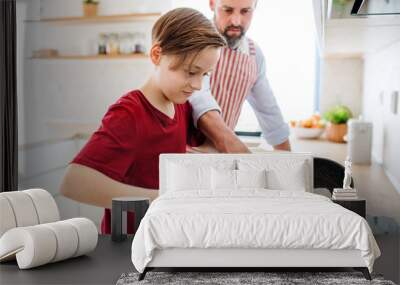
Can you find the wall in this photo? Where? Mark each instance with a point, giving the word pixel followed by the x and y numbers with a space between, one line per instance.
pixel 344 42
pixel 381 78
pixel 341 83
pixel 365 84
pixel 75 91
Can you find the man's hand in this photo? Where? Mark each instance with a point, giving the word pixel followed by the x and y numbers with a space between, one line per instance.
pixel 206 147
pixel 283 146
pixel 224 139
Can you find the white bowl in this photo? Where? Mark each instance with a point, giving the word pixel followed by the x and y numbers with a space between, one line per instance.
pixel 307 133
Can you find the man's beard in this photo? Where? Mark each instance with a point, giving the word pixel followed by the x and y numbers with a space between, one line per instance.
pixel 233 42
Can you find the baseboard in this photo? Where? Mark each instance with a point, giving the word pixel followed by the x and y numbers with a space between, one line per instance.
pixel 393 180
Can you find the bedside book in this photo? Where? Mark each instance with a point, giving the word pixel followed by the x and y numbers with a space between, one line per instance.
pixel 341 190
pixel 345 198
pixel 344 194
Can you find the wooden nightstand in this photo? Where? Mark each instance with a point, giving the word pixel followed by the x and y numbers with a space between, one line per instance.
pixel 357 206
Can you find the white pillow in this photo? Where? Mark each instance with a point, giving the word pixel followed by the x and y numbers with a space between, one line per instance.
pixel 292 179
pixel 183 177
pixel 224 179
pixel 251 178
pixel 281 174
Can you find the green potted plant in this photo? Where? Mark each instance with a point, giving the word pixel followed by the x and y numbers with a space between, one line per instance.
pixel 342 8
pixel 337 118
pixel 90 8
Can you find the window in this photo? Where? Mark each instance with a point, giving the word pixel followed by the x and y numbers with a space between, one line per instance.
pixel 284 30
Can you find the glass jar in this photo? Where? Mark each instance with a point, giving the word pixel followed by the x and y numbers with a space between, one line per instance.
pixel 113 44
pixel 124 46
pixel 140 43
pixel 131 42
pixel 102 44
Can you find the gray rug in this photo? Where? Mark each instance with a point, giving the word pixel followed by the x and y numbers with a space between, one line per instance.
pixel 242 278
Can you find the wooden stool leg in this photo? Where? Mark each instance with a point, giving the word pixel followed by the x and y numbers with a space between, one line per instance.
pixel 116 222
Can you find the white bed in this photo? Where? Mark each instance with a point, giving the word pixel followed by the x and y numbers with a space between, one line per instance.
pixel 220 211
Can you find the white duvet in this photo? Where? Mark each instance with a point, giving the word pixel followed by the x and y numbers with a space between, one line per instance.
pixel 250 219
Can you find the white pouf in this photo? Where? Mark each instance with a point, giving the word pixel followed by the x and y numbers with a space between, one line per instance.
pixel 23 208
pixel 46 207
pixel 37 245
pixel 7 216
pixel 30 230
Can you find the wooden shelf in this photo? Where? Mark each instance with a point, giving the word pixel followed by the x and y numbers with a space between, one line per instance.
pixel 343 55
pixel 93 57
pixel 102 18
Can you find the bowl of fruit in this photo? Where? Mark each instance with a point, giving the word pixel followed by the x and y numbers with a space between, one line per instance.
pixel 311 128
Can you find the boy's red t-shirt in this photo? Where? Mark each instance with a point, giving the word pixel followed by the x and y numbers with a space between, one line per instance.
pixel 132 135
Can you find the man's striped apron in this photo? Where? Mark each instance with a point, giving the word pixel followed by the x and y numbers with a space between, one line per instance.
pixel 232 80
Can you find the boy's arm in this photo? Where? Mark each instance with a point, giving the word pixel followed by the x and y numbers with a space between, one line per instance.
pixel 87 185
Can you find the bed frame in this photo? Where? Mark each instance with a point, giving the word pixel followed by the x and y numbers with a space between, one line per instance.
pixel 260 259
pixel 236 259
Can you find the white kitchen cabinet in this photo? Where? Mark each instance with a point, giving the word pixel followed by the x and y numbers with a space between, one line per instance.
pixel 343 35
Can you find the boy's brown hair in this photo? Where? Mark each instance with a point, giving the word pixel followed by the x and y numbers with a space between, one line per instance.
pixel 185 32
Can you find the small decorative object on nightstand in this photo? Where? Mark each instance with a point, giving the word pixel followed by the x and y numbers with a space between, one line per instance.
pixel 346 193
pixel 138 205
pixel 358 206
pixel 347 197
